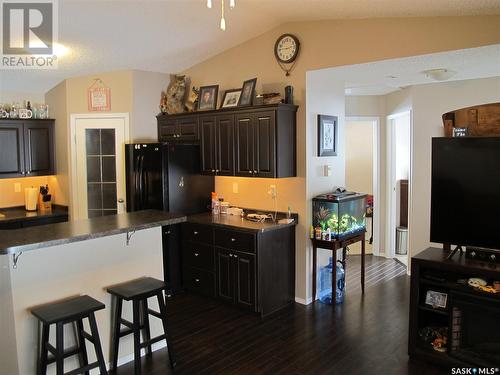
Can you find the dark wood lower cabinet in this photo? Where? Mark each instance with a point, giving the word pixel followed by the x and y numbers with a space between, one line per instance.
pixel 236 277
pixel 251 269
pixel 225 275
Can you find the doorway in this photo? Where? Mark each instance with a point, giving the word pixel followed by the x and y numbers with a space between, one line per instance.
pixel 398 184
pixel 98 164
pixel 362 174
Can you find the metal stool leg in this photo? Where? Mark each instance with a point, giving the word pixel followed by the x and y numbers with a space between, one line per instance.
pixel 115 334
pixel 84 359
pixel 137 337
pixel 97 344
pixel 163 312
pixel 146 330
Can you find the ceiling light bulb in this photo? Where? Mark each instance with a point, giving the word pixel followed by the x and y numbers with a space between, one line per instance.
pixel 209 3
pixel 223 24
pixel 60 50
pixel 231 3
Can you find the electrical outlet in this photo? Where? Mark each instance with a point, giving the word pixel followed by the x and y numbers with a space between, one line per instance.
pixel 17 187
pixel 272 191
pixel 235 187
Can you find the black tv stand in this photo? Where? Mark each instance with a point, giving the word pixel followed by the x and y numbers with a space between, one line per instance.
pixel 450 255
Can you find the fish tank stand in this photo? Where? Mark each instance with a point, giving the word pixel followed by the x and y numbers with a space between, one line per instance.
pixel 333 246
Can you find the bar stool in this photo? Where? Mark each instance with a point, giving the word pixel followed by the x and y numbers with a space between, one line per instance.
pixel 73 310
pixel 138 291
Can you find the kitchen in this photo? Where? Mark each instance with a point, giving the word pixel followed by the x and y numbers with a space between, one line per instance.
pixel 228 255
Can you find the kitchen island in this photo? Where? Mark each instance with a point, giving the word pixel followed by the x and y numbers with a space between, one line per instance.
pixel 56 261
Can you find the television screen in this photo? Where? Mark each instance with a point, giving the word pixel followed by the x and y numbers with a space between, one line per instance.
pixel 465 203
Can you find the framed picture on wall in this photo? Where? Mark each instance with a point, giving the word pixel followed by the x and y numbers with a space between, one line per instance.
pixel 327 135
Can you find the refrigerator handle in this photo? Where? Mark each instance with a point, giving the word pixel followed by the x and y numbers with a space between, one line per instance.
pixel 136 179
pixel 141 177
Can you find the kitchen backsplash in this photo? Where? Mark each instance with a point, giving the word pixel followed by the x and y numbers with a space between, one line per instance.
pixel 10 198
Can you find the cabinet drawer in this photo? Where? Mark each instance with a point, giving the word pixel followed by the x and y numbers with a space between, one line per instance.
pixel 199 256
pixel 197 233
pixel 199 281
pixel 235 240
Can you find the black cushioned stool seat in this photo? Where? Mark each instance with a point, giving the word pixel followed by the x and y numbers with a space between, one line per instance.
pixel 138 291
pixel 73 310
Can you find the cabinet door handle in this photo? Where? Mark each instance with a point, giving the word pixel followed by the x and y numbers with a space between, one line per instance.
pixel 233 239
pixel 196 254
pixel 236 256
pixel 250 172
pixel 213 170
pixel 255 172
pixel 197 280
pixel 230 255
pixel 195 233
pixel 167 232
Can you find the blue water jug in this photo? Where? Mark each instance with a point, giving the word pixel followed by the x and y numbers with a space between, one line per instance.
pixel 325 283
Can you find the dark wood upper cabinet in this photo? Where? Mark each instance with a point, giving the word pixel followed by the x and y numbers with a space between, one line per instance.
pixel 11 148
pixel 207 145
pixel 27 148
pixel 224 145
pixel 257 141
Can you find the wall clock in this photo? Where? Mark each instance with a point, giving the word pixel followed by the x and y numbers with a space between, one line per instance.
pixel 286 50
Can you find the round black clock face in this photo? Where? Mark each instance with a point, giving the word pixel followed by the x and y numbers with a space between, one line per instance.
pixel 286 48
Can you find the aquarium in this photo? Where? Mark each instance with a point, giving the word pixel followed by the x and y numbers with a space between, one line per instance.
pixel 339 215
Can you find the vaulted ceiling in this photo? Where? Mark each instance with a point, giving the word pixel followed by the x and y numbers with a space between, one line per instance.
pixel 172 35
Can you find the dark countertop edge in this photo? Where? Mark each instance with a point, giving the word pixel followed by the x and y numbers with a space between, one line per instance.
pixel 270 225
pixel 57 211
pixel 90 236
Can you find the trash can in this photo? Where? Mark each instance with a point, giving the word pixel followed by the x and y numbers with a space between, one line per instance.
pixel 401 240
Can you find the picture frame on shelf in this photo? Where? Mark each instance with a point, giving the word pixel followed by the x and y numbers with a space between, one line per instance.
pixel 247 92
pixel 231 98
pixel 327 135
pixel 436 299
pixel 208 98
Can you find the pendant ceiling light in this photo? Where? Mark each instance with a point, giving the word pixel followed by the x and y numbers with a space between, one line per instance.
pixel 232 4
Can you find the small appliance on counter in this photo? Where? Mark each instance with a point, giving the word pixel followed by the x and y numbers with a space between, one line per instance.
pixel 30 198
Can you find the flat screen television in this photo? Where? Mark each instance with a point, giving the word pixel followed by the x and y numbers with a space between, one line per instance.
pixel 465 203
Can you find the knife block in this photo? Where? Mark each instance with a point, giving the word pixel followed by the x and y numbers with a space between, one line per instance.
pixel 44 206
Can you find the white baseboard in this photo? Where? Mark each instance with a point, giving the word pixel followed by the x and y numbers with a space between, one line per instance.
pixel 303 301
pixel 130 357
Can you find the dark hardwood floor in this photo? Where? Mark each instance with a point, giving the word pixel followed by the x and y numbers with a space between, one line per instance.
pixel 367 334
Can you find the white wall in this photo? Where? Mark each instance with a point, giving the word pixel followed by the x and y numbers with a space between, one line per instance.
pixel 323 96
pixel 429 103
pixel 20 97
pixel 147 88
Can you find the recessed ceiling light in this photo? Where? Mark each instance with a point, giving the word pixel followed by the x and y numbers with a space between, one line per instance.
pixel 441 74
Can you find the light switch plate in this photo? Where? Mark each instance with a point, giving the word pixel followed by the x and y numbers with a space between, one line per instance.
pixel 17 187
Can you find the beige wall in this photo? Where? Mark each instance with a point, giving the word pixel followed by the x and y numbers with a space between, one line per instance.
pixel 146 93
pixel 8 196
pixel 359 156
pixel 328 44
pixel 133 92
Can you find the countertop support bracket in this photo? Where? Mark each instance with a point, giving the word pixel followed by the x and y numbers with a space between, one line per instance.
pixel 129 236
pixel 15 259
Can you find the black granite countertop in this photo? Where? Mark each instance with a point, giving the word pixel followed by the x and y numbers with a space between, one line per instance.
pixel 237 222
pixel 25 239
pixel 16 214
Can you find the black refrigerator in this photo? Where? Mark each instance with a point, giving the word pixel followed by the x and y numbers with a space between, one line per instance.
pixel 167 177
